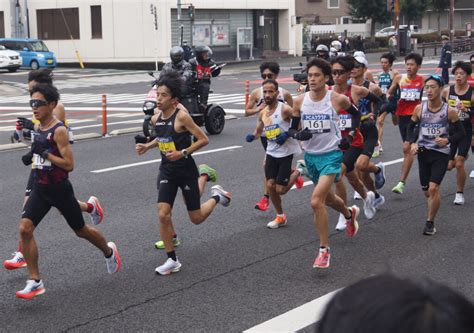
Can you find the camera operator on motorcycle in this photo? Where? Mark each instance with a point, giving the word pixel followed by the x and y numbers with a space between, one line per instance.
pixel 203 67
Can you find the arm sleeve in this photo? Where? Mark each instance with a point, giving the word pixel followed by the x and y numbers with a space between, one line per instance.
pixel 413 131
pixel 354 112
pixel 294 124
pixel 458 132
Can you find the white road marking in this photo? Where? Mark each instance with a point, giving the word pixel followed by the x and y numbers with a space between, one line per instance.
pixel 131 165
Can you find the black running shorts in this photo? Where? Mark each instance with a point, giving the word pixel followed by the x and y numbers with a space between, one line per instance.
pixel 350 157
pixel 278 168
pixel 31 182
pixel 403 122
pixel 462 148
pixel 168 189
pixel 432 166
pixel 371 137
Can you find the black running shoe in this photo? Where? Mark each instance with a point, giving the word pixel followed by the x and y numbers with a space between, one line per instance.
pixel 430 229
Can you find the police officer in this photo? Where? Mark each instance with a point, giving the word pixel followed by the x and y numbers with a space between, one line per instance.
pixel 177 64
pixel 445 60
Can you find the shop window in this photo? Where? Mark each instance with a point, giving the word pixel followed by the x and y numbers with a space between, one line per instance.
pixel 96 22
pixel 51 23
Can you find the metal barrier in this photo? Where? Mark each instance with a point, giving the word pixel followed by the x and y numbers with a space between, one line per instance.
pixel 460 45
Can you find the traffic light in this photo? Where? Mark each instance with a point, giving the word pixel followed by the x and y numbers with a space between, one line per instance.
pixel 191 11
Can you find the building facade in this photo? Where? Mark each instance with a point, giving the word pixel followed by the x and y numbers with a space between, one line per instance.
pixel 105 31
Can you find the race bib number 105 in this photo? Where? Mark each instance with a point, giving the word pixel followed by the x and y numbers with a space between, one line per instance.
pixel 317 123
pixel 433 130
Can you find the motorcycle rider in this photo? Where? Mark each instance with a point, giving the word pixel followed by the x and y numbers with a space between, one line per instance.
pixel 177 64
pixel 322 52
pixel 203 67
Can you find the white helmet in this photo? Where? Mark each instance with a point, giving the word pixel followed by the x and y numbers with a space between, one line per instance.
pixel 359 54
pixel 337 45
pixel 322 48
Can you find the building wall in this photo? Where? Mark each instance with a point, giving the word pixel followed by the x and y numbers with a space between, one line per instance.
pixel 461 17
pixel 320 11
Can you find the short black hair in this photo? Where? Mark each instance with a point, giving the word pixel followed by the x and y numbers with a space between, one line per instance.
pixel 415 56
pixel 273 66
pixel 347 62
pixel 43 75
pixel 390 57
pixel 465 66
pixel 271 81
pixel 322 64
pixel 50 92
pixel 172 81
pixel 472 56
pixel 390 304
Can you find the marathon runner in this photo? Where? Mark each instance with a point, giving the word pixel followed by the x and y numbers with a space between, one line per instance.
pixel 461 98
pixel 268 70
pixel 317 110
pixel 470 79
pixel 411 91
pixel 174 128
pixel 274 120
pixel 434 118
pixel 386 77
pixel 52 162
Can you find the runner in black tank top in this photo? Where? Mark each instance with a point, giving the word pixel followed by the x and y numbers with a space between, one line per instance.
pixel 178 169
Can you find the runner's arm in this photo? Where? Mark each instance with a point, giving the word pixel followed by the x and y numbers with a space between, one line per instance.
pixel 66 160
pixel 458 129
pixel 188 123
pixel 413 129
pixel 288 98
pixel 251 107
pixel 60 113
pixel 395 84
pixel 344 103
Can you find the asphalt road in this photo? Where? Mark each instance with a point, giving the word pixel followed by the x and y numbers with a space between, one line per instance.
pixel 236 273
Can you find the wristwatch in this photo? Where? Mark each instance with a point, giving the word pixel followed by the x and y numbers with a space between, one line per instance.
pixel 185 153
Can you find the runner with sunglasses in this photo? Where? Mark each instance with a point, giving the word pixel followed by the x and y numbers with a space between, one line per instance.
pixel 52 162
pixel 460 97
pixel 428 136
pixel 268 71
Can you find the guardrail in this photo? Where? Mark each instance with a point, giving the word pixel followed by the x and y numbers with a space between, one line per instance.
pixel 460 45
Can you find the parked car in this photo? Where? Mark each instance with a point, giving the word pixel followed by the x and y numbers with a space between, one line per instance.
pixel 34 52
pixel 388 31
pixel 9 59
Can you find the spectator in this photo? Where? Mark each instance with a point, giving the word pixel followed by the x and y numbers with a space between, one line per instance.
pixel 359 44
pixel 346 46
pixel 390 304
pixel 445 59
pixel 392 45
pixel 314 43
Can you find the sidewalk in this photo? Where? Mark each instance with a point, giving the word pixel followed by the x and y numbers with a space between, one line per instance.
pixel 8 90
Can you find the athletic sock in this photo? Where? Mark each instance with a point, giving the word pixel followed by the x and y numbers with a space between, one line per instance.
pixel 175 235
pixel 266 196
pixel 90 207
pixel 280 215
pixel 217 198
pixel 350 215
pixel 460 192
pixel 171 255
pixel 111 253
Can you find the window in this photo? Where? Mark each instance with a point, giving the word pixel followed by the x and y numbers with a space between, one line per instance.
pixel 51 23
pixel 2 26
pixel 333 3
pixel 96 22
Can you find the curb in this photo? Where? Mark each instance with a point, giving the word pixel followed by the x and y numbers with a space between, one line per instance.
pixel 12 146
pixel 125 131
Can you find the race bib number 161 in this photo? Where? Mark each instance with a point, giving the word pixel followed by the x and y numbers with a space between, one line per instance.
pixel 317 123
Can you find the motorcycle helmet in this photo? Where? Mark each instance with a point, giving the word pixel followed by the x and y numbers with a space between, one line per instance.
pixel 337 45
pixel 201 50
pixel 176 54
pixel 322 51
pixel 359 54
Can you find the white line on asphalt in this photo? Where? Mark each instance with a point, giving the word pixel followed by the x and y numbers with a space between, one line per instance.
pixel 296 319
pixel 136 121
pixel 159 160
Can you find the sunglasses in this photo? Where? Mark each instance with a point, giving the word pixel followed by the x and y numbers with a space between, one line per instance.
pixel 267 76
pixel 472 62
pixel 437 78
pixel 338 72
pixel 36 103
pixel 358 65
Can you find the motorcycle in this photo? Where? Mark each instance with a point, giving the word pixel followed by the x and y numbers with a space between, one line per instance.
pixel 302 79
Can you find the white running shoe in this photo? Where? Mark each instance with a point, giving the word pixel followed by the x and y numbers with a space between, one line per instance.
pixel 379 201
pixel 357 196
pixel 341 223
pixel 369 206
pixel 113 263
pixel 224 196
pixel 18 261
pixel 170 266
pixel 31 290
pixel 97 214
pixel 459 199
pixel 279 221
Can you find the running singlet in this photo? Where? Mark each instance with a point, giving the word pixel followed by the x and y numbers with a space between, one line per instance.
pixel 434 125
pixel 280 97
pixel 470 81
pixel 345 124
pixel 321 119
pixel 410 95
pixel 465 99
pixel 385 81
pixel 46 172
pixel 169 140
pixel 365 105
pixel 273 125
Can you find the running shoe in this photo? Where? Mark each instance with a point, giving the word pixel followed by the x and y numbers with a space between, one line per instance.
pixel 31 290
pixel 97 214
pixel 160 245
pixel 113 263
pixel 459 199
pixel 170 266
pixel 224 196
pixel 379 201
pixel 380 148
pixel 352 226
pixel 299 183
pixel 18 261
pixel 399 188
pixel 430 229
pixel 263 204
pixel 376 153
pixel 279 221
pixel 357 196
pixel 341 223
pixel 380 177
pixel 205 169
pixel 369 205
pixel 301 167
pixel 323 258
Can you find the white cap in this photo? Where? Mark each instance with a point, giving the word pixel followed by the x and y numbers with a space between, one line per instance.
pixel 362 60
pixel 359 54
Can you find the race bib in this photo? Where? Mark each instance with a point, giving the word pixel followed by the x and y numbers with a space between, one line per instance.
pixel 411 95
pixel 41 163
pixel 384 89
pixel 345 122
pixel 166 144
pixel 317 123
pixel 432 130
pixel 272 131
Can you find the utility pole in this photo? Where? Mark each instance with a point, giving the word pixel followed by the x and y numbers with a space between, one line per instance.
pixel 451 21
pixel 178 5
pixel 396 18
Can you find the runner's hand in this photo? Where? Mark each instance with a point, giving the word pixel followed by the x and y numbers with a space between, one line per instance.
pixel 39 150
pixel 281 138
pixel 26 123
pixel 250 137
pixel 27 159
pixel 442 142
pixel 414 148
pixel 141 148
pixel 303 135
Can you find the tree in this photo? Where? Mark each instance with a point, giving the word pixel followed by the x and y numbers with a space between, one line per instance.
pixel 413 10
pixel 375 10
pixel 439 6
